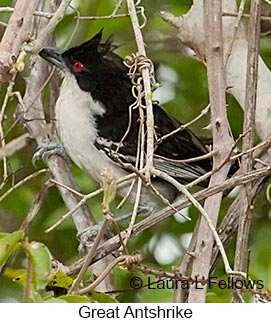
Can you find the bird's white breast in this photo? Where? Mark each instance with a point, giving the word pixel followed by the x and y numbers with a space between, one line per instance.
pixel 75 110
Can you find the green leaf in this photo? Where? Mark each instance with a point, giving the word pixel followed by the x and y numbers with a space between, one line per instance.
pixel 19 277
pixel 102 297
pixel 9 243
pixel 75 299
pixel 59 284
pixel 54 300
pixel 61 280
pixel 41 259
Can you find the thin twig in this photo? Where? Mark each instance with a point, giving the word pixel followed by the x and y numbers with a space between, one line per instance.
pixel 75 28
pixel 202 211
pixel 141 155
pixel 74 209
pixel 117 7
pixel 149 124
pixel 75 286
pixel 188 160
pixel 70 189
pixel 258 149
pixel 39 198
pixel 125 198
pixel 126 259
pixel 48 15
pixel 236 28
pixel 167 202
pixel 262 145
pixel 22 182
pixel 3 142
pixel 180 295
pixel 14 146
pixel 184 126
pixel 147 89
pixel 120 15
pixel 244 15
pixel 47 31
pixel 113 15
pixel 141 175
pixel 85 198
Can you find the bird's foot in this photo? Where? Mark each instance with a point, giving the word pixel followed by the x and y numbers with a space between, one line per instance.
pixel 44 151
pixel 87 236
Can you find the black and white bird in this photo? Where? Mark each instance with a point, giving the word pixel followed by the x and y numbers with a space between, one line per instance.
pixel 92 116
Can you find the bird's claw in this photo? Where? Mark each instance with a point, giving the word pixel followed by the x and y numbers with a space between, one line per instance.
pixel 87 236
pixel 44 151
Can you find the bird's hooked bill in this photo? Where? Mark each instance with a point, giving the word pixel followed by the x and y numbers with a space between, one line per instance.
pixel 54 56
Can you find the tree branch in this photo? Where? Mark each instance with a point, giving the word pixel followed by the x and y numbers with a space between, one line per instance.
pixel 34 119
pixel 241 253
pixel 16 33
pixel 222 141
pixel 14 146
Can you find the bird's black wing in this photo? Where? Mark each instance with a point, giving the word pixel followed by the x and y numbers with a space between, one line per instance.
pixel 179 146
pixel 168 153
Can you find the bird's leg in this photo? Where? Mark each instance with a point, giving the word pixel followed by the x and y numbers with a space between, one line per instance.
pixel 87 236
pixel 44 151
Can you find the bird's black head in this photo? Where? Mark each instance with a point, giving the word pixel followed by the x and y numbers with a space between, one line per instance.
pixel 88 62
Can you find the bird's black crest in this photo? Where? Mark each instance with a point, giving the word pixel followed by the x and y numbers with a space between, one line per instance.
pixel 93 45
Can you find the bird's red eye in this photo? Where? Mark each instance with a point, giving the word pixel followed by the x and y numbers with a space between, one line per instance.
pixel 77 67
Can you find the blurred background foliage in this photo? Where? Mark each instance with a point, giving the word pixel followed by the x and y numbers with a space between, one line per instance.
pixel 184 94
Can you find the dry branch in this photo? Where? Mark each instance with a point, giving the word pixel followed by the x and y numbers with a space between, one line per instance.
pixel 14 146
pixel 16 33
pixel 221 139
pixel 241 253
